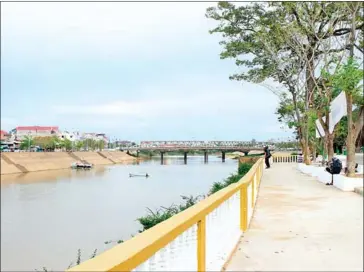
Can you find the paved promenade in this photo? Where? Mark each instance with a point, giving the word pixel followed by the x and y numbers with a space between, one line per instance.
pixel 301 225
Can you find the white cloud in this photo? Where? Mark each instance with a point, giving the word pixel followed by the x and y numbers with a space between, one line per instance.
pixel 47 33
pixel 201 102
pixel 108 30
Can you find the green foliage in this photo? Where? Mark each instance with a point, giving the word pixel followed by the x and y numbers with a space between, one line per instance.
pixel 341 132
pixel 91 144
pixel 247 30
pixel 27 143
pixel 244 168
pixel 216 186
pixel 349 79
pixel 47 142
pixel 233 178
pixel 67 144
pixel 101 144
pixel 79 145
pixel 155 217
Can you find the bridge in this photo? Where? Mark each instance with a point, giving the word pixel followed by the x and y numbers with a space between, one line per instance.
pixel 271 220
pixel 205 146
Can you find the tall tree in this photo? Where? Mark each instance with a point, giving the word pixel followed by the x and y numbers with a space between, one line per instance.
pixel 252 36
pixel 349 79
pixel 287 42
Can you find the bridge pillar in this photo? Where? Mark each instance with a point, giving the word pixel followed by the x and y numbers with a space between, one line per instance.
pixel 162 160
pixel 223 156
pixel 206 156
pixel 185 157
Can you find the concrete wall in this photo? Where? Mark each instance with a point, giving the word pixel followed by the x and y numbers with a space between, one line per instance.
pixel 117 157
pixel 39 161
pixel 8 168
pixel 92 157
pixel 22 162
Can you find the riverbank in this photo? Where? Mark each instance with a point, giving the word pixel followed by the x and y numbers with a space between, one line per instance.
pixel 24 162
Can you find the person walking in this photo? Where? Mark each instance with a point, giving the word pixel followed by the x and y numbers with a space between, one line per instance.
pixel 267 156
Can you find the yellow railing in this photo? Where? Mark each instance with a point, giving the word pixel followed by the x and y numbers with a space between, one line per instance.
pixel 132 253
pixel 285 158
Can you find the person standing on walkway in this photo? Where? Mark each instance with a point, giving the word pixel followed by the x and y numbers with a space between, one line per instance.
pixel 267 156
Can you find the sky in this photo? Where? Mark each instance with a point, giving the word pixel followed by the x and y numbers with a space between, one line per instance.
pixel 135 71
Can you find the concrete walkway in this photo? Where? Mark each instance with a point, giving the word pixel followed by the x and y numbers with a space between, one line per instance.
pixel 301 225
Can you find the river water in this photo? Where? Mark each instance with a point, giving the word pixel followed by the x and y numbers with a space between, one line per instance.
pixel 47 216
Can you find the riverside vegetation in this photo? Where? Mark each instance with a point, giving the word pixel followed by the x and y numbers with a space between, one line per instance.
pixel 163 213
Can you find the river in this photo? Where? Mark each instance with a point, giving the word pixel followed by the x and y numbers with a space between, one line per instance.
pixel 47 216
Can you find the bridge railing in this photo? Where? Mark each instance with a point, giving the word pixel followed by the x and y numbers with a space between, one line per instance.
pixel 201 238
pixel 285 158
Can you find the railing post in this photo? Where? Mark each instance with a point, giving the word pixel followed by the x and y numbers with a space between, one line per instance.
pixel 201 245
pixel 253 190
pixel 243 208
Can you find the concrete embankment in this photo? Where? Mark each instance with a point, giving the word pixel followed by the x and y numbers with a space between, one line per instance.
pixel 23 162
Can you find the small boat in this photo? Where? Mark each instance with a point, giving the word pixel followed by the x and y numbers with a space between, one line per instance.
pixel 80 165
pixel 139 175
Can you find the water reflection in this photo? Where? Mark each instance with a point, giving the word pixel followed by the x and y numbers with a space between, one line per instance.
pixel 47 216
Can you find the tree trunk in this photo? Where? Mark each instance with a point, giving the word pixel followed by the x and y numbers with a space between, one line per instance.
pixel 358 125
pixel 351 137
pixel 306 149
pixel 330 146
pixel 306 153
pixel 350 140
pixel 310 83
pixel 314 152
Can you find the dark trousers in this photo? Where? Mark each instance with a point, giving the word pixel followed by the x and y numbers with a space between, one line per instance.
pixel 267 162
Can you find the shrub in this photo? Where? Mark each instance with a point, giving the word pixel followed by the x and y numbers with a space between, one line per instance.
pixel 154 218
pixel 216 186
pixel 244 168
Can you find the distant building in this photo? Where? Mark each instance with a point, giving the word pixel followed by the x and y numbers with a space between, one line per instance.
pixel 72 136
pixel 95 136
pixel 4 135
pixel 34 131
pixel 124 143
